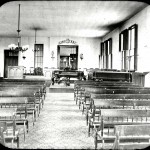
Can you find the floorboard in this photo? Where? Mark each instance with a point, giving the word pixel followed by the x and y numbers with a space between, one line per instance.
pixel 60 125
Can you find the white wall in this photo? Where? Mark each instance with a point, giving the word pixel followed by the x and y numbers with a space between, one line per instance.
pixel 116 61
pixel 29 61
pixel 90 48
pixel 142 19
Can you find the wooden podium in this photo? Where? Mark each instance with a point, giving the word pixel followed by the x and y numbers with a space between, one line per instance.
pixel 139 78
pixel 15 72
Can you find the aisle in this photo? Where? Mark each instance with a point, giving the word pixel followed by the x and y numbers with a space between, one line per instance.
pixel 61 125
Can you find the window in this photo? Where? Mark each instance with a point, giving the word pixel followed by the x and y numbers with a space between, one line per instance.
pixel 123 38
pixel 38 56
pixel 109 47
pixel 128 48
pixel 133 47
pixel 106 54
pixel 102 56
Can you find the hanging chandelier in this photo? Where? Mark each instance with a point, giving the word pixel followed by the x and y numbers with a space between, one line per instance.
pixel 18 46
pixel 35 47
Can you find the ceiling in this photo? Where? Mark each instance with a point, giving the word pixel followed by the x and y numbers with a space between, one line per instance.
pixel 65 18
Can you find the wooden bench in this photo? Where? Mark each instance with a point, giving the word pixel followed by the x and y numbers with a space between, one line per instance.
pixel 100 84
pixel 98 89
pixel 84 97
pixel 95 83
pixel 22 80
pixel 22 111
pixel 91 82
pixel 23 85
pixel 112 76
pixel 45 82
pixel 34 96
pixel 119 96
pixel 10 133
pixel 115 103
pixel 132 136
pixel 23 106
pixel 86 101
pixel 104 123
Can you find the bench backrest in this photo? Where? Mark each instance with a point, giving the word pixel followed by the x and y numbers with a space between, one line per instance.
pixel 120 96
pixel 16 93
pixel 124 113
pixel 116 102
pixel 8 112
pixel 21 88
pixel 112 75
pixel 118 91
pixel 104 84
pixel 132 130
pixel 82 82
pixel 13 100
pixel 132 136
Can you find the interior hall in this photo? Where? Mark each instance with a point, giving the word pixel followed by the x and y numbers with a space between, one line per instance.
pixel 74 74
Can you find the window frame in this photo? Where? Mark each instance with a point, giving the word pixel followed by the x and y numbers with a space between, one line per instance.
pixel 125 47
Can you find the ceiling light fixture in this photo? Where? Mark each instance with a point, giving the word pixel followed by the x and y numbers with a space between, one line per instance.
pixel 18 47
pixel 35 47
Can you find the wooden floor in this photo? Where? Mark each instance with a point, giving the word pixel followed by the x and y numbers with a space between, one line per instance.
pixel 61 125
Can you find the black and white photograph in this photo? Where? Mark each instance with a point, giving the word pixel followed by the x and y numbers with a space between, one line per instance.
pixel 75 74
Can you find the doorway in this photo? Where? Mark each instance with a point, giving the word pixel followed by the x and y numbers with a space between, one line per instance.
pixel 10 59
pixel 67 57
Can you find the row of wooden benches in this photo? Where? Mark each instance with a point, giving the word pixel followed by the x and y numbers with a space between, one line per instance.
pixel 18 100
pixel 113 109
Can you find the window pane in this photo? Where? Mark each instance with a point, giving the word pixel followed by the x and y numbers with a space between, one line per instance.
pixel 39 56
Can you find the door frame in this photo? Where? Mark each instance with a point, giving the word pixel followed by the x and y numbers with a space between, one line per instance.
pixel 58 53
pixel 6 54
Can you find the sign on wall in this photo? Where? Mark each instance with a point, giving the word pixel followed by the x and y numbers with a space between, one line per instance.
pixel 67 41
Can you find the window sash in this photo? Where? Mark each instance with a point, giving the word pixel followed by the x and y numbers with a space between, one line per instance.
pixel 38 56
pixel 128 43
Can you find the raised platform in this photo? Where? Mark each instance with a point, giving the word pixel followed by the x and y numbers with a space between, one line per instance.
pixel 61 88
pixel 37 77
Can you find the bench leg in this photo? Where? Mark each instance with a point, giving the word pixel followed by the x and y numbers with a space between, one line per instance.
pixel 74 96
pixel 24 135
pixel 95 141
pixel 79 104
pixel 76 100
pixel 83 109
pixel 33 115
pixel 89 127
pixel 24 129
pixel 17 141
pixel 86 118
pixel 42 102
pixel 27 124
pixel 12 141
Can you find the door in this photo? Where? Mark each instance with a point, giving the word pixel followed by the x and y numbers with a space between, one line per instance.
pixel 10 59
pixel 70 53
